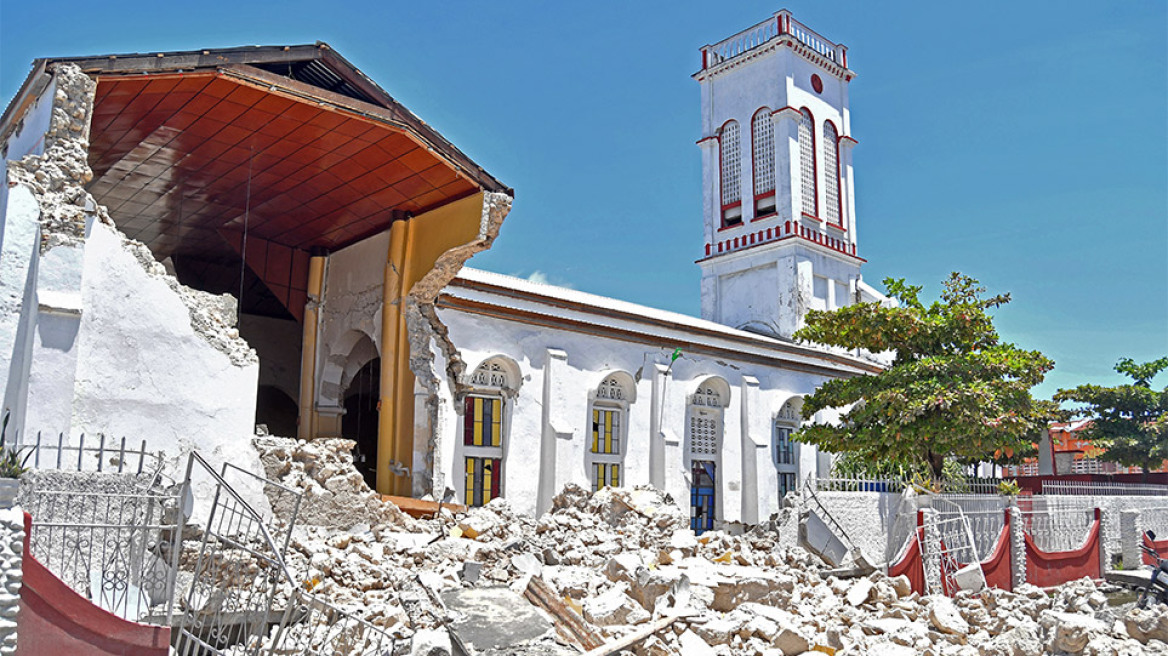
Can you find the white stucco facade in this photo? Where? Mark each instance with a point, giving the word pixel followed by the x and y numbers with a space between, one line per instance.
pixel 558 345
pixel 777 180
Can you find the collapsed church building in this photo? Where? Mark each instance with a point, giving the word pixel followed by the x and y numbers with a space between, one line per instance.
pixel 194 243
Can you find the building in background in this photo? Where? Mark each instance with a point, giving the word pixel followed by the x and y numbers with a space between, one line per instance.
pixel 1062 452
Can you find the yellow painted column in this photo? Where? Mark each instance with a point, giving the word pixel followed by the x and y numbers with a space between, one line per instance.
pixel 306 426
pixel 392 326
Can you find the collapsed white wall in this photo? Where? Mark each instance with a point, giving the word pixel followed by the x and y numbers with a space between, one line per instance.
pixel 95 336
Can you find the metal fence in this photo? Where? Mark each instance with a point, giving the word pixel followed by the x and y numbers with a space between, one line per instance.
pixel 243 600
pixel 115 548
pixel 1102 488
pixel 949 546
pixel 93 453
pixel 896 485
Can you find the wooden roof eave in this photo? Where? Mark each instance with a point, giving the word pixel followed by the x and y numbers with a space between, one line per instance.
pixel 238 62
pixel 397 117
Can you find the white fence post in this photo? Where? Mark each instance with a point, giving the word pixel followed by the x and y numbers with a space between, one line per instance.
pixel 1017 548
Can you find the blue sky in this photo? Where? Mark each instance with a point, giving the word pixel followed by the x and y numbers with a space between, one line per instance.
pixel 1022 143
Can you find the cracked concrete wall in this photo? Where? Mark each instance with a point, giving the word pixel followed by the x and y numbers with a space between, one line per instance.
pixel 115 344
pixel 351 315
pixel 350 310
pixel 426 330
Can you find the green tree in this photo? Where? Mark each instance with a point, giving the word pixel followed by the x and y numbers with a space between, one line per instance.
pixel 953 390
pixel 1130 421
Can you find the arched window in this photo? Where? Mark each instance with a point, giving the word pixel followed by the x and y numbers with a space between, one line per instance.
pixel 730 158
pixel 607 434
pixel 810 190
pixel 831 174
pixel 484 432
pixel 704 451
pixel 784 454
pixel 763 157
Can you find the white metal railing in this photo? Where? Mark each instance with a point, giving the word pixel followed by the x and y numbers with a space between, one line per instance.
pixel 978 486
pixel 1102 488
pixel 846 484
pixel 91 453
pixel 748 39
pixel 1058 529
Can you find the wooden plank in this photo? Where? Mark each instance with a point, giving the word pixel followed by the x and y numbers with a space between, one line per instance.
pixel 636 636
pixel 568 623
pixel 420 508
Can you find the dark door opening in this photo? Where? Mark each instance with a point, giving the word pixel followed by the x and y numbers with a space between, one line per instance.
pixel 702 497
pixel 361 419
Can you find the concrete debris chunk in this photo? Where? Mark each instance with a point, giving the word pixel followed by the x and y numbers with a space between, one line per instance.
pixel 1147 625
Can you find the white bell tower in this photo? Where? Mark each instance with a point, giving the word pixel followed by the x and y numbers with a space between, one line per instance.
pixel 778 201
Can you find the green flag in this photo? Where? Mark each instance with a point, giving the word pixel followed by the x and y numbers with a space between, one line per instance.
pixel 675 356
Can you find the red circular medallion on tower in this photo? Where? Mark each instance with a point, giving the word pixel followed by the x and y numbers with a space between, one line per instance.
pixel 816 83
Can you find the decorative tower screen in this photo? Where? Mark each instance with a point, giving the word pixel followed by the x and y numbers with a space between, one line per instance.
pixel 731 174
pixel 807 164
pixel 764 152
pixel 831 176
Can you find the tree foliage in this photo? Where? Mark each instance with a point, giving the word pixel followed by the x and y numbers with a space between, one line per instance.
pixel 1129 421
pixel 953 390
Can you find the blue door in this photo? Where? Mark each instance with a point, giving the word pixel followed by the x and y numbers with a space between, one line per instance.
pixel 701 497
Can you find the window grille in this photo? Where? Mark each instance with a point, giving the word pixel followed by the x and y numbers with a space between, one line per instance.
pixel 705 430
pixel 831 175
pixel 489 374
pixel 611 389
pixel 763 140
pixel 731 162
pixel 707 396
pixel 807 163
pixel 788 413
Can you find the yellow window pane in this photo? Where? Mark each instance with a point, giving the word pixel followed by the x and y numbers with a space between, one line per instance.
pixel 478 422
pixel 496 421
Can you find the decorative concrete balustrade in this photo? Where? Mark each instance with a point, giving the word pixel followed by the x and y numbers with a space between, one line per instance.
pixel 788 230
pixel 757 35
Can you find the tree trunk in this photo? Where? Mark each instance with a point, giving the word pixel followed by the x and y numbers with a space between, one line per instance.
pixel 936 463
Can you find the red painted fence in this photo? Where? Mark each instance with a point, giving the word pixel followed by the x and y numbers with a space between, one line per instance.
pixel 912 565
pixel 1048 568
pixel 54 619
pixel 1161 547
pixel 998 568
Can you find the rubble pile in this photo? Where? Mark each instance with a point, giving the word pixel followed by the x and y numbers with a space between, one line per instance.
pixel 621 559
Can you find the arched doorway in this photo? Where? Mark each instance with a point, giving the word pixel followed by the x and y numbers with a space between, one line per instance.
pixel 360 420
